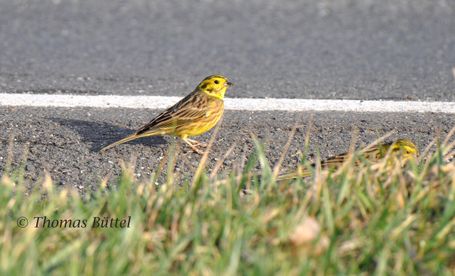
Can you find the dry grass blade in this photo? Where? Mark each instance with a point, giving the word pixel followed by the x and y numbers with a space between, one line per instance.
pixel 159 169
pixel 350 154
pixel 449 136
pixel 354 138
pixel 219 163
pixel 10 155
pixel 276 168
pixel 205 156
pixel 308 134
pixel 426 151
pixel 377 141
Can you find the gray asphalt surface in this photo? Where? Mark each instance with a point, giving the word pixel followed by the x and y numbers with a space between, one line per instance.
pixel 344 49
pixel 356 49
pixel 65 142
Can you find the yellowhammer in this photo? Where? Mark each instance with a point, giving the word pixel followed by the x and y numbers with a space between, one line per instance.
pixel 194 115
pixel 402 149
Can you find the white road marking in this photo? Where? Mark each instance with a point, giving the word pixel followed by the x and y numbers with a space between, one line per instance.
pixel 268 104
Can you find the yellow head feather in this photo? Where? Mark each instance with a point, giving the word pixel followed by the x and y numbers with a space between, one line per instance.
pixel 215 86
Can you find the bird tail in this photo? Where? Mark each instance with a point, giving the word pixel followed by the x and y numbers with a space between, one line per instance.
pixel 124 140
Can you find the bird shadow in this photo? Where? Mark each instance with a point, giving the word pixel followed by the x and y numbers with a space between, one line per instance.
pixel 99 135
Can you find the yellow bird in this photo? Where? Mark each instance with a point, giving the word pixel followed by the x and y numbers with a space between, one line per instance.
pixel 403 149
pixel 194 115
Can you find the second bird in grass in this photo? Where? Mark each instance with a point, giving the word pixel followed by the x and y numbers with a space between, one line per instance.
pixel 401 149
pixel 194 115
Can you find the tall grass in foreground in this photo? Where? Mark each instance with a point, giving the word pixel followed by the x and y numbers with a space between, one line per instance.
pixel 366 218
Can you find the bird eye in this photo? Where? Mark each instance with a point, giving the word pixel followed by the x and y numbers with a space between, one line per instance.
pixel 216 82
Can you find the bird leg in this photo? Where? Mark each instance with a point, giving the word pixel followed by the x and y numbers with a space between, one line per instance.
pixel 197 143
pixel 193 144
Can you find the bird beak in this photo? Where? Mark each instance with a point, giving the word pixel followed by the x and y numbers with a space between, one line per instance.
pixel 229 84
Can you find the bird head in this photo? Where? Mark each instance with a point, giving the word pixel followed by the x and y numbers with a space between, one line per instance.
pixel 404 149
pixel 215 86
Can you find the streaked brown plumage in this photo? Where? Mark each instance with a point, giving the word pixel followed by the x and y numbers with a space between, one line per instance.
pixel 403 149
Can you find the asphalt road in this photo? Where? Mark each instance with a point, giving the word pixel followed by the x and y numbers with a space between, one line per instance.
pixel 66 142
pixel 344 49
pixel 356 49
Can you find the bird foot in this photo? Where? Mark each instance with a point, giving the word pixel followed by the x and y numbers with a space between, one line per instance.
pixel 197 143
pixel 194 145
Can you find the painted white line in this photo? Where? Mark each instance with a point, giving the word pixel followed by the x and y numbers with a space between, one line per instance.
pixel 159 102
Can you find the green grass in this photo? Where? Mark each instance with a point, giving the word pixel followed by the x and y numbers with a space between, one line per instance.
pixel 364 219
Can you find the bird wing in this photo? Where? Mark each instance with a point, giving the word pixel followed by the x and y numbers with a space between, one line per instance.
pixel 334 161
pixel 191 108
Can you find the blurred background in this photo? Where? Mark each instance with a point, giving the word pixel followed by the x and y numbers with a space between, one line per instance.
pixel 355 49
